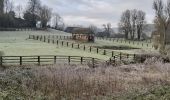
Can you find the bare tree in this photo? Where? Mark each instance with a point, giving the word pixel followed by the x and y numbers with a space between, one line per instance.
pixel 133 23
pixel 34 8
pixel 93 29
pixel 57 20
pixel 140 23
pixel 8 6
pixel 124 24
pixel 19 10
pixel 108 29
pixel 162 20
pixel 45 15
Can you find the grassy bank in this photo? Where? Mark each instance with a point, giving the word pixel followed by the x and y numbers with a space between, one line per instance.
pixel 148 81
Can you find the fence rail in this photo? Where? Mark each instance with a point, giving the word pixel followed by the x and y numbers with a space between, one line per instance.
pixel 22 60
pixel 57 40
pixel 145 43
pixel 115 56
pixel 17 29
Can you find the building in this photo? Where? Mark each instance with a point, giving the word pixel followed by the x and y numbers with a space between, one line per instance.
pixel 70 29
pixel 83 34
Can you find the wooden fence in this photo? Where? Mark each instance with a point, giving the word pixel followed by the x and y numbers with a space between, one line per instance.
pixel 40 60
pixel 17 29
pixel 54 40
pixel 146 43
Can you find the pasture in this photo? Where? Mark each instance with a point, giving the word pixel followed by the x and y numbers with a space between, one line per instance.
pixel 17 43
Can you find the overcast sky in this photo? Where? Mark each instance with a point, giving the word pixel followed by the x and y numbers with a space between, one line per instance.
pixel 97 12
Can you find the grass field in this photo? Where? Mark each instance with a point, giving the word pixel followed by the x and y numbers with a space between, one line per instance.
pixel 17 44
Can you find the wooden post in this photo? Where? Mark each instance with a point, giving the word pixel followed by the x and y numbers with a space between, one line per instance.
pixel 69 59
pixel 53 41
pixel 20 60
pixel 38 60
pixel 112 53
pixel 78 46
pixel 57 42
pixel 90 48
pixel 62 43
pixel 72 45
pixel 84 47
pixel 48 40
pixel 110 61
pixel 1 60
pixel 127 55
pixel 134 57
pixel 104 53
pixel 97 50
pixel 67 44
pixel 114 59
pixel 81 60
pixel 44 38
pixel 55 59
pixel 120 56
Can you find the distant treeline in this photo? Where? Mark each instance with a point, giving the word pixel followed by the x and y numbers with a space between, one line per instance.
pixel 33 13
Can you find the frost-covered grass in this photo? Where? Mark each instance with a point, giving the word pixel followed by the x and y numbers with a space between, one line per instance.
pixel 150 80
pixel 17 44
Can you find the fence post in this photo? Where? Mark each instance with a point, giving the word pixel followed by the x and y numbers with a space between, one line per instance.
pixel 114 59
pixel 104 53
pixel 78 46
pixel 48 40
pixel 97 50
pixel 84 47
pixel 127 55
pixel 38 60
pixel 112 53
pixel 62 43
pixel 90 48
pixel 72 45
pixel 57 42
pixel 69 59
pixel 54 59
pixel 67 44
pixel 1 60
pixel 53 41
pixel 120 56
pixel 134 57
pixel 20 60
pixel 81 60
pixel 44 38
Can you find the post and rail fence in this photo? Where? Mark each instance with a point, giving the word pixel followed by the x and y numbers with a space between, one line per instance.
pixel 115 56
pixel 48 59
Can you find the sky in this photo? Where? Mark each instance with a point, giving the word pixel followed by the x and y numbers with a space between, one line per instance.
pixel 96 12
